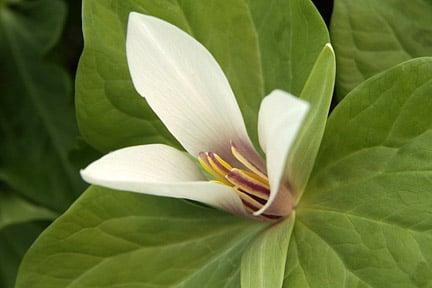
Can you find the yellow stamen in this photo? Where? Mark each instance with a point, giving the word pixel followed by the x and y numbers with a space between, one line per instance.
pixel 248 199
pixel 262 180
pixel 203 160
pixel 247 163
pixel 248 184
pixel 218 164
pixel 219 182
pixel 258 179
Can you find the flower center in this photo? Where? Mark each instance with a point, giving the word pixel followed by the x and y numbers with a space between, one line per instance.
pixel 249 182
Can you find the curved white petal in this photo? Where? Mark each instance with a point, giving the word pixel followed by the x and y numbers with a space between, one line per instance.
pixel 280 118
pixel 184 85
pixel 159 170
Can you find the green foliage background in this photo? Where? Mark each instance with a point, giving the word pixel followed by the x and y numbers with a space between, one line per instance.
pixel 359 243
pixel 40 149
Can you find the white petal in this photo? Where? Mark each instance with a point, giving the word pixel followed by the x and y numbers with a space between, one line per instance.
pixel 159 170
pixel 280 118
pixel 184 85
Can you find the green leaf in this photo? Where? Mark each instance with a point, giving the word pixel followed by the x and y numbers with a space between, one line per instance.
pixel 14 241
pixel 112 239
pixel 83 154
pixel 318 91
pixel 291 35
pixel 365 218
pixel 263 263
pixel 20 223
pixel 371 36
pixel 259 45
pixel 37 127
pixel 15 210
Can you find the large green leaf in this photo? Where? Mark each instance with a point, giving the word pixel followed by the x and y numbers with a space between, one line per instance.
pixel 365 218
pixel 318 91
pixel 371 36
pixel 15 210
pixel 14 241
pixel 290 34
pixel 36 112
pixel 37 128
pixel 261 45
pixel 20 224
pixel 118 239
pixel 263 263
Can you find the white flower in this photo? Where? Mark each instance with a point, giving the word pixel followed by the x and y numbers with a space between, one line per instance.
pixel 187 89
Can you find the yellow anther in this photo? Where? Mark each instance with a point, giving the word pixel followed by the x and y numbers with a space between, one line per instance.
pixel 242 159
pixel 248 199
pixel 203 160
pixel 250 185
pixel 225 164
pixel 221 183
pixel 218 164
pixel 249 182
pixel 259 179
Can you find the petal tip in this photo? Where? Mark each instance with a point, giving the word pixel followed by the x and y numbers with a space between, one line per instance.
pixel 85 175
pixel 302 104
pixel 263 209
pixel 135 17
pixel 86 178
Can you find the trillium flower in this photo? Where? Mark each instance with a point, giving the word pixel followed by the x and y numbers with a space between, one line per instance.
pixel 187 89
